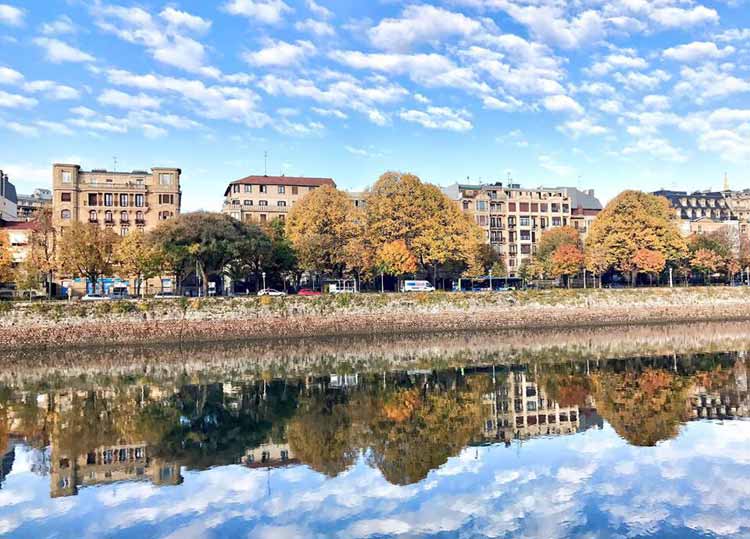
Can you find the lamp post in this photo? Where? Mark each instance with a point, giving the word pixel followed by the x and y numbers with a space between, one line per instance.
pixel 670 277
pixel 491 289
pixel 264 280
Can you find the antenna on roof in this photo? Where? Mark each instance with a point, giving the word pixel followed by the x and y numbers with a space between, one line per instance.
pixel 265 163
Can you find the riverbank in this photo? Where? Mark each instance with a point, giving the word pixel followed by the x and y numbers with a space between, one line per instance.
pixel 60 324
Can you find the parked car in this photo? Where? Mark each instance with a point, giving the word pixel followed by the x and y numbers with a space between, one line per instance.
pixel 308 292
pixel 270 292
pixel 119 294
pixel 417 286
pixel 95 297
pixel 165 295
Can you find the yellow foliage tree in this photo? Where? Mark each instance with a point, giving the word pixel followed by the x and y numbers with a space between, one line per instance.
pixel 320 227
pixel 631 221
pixel 137 257
pixel 6 258
pixel 395 258
pixel 87 250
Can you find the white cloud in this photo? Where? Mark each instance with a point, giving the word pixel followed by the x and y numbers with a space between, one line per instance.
pixel 11 15
pixel 265 11
pixel 83 111
pixel 58 51
pixel 657 147
pixel 280 54
pixel 52 90
pixel 21 129
pixel 642 81
pixel 550 24
pixel 656 102
pixel 581 127
pixel 318 28
pixel 675 17
pixel 439 118
pixel 562 103
pixel 54 127
pixel 13 101
pixel 330 113
pixel 177 18
pixel 697 51
pixel 614 62
pixel 10 76
pixel 709 81
pixel 418 24
pixel 547 162
pixel 62 25
pixel 321 11
pixel 116 98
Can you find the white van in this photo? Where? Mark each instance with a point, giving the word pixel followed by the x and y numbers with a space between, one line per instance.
pixel 417 286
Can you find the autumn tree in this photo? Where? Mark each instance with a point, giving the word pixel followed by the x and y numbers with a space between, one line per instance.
pixel 649 262
pixel 549 242
pixel 320 227
pixel 43 245
pixel 87 250
pixel 635 220
pixel 27 276
pixel 139 257
pixel 566 261
pixel 707 262
pixel 6 258
pixel 394 258
pixel 595 261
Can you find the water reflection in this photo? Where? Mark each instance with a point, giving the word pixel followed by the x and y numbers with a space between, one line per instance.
pixel 265 452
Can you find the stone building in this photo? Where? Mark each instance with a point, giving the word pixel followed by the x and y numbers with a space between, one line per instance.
pixel 260 199
pixel 8 199
pixel 514 218
pixel 30 205
pixel 123 201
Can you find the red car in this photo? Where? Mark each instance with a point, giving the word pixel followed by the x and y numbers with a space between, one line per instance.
pixel 308 292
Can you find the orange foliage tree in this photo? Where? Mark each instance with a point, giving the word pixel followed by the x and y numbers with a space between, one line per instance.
pixel 649 262
pixel 567 260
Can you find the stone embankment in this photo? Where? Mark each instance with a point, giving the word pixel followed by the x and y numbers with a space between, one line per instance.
pixel 58 324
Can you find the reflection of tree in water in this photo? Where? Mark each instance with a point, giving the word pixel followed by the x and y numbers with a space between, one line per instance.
pixel 566 389
pixel 643 407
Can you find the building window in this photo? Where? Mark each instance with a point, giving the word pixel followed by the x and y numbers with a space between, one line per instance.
pixel 263 188
pixel 64 197
pixel 524 221
pixel 139 201
pixel 65 214
pixel 555 208
pixel 556 221
pixel 481 205
pixel 534 207
pixel 565 208
pixel 281 203
pixel 295 190
pixel 523 206
pixel 248 188
pixel 525 248
pixel 67 177
pixel 92 216
pixel 165 179
pixel 124 217
pixel 108 199
pixel 262 203
pixel 166 199
pixel 525 235
pixel 511 206
pixel 139 217
pixel 123 231
pixel 107 216
pixel 93 199
pixel 235 202
pixel 282 189
pixel 543 208
pixel 124 200
pixel 248 202
pixel 262 217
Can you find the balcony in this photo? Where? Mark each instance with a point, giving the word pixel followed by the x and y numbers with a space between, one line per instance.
pixel 140 222
pixel 93 220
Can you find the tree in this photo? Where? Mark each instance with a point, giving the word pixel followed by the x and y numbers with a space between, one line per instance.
pixel 27 276
pixel 6 258
pixel 649 262
pixel 567 260
pixel 137 256
pixel 205 239
pixel 595 260
pixel 87 250
pixel 252 254
pixel 707 262
pixel 549 242
pixel 722 241
pixel 395 258
pixel 634 220
pixel 42 250
pixel 324 219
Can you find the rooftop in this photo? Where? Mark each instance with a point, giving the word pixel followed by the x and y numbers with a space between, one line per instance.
pixel 300 181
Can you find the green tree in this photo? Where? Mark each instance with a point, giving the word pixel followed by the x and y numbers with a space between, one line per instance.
pixel 87 250
pixel 137 256
pixel 631 221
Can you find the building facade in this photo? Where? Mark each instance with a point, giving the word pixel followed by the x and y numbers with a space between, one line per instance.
pixel 260 199
pixel 8 199
pixel 514 218
pixel 30 205
pixel 123 201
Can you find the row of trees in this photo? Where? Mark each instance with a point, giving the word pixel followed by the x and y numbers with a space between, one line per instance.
pixel 637 234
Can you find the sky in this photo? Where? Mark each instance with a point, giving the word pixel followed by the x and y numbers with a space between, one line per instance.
pixel 602 94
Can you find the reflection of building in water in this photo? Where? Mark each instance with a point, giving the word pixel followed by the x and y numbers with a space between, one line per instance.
pixel 269 455
pixel 6 463
pixel 519 409
pixel 728 402
pixel 104 465
pixel 340 381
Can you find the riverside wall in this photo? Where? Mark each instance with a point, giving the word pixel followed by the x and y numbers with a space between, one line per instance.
pixel 61 324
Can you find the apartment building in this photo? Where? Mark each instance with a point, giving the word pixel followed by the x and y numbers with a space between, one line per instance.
pixel 260 199
pixel 30 205
pixel 514 218
pixel 518 409
pixel 8 199
pixel 123 201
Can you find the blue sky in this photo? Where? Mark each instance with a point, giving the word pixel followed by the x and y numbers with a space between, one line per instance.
pixel 591 93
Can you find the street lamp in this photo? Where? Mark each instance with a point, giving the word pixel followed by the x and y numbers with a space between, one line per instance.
pixel 264 280
pixel 491 289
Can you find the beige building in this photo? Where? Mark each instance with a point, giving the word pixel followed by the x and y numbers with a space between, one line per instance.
pixel 30 205
pixel 514 218
pixel 123 201
pixel 260 199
